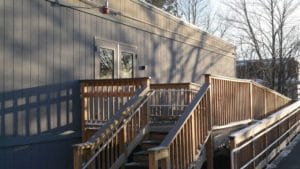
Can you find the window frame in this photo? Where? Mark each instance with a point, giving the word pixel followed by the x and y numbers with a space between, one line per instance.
pixel 118 48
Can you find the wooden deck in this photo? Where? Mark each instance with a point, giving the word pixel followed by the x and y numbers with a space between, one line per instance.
pixel 117 115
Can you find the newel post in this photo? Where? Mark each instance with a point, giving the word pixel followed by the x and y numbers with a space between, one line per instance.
pixel 77 154
pixel 210 141
pixel 233 160
pixel 123 141
pixel 159 154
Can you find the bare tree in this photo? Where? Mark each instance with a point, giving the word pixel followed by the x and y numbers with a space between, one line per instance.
pixel 193 10
pixel 200 13
pixel 264 31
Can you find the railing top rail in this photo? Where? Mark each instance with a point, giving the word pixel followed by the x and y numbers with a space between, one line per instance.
pixel 115 121
pixel 247 81
pixel 185 116
pixel 260 126
pixel 192 86
pixel 117 81
pixel 270 90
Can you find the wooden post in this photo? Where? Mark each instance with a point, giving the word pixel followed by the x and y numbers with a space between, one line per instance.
pixel 266 108
pixel 77 153
pixel 210 142
pixel 123 142
pixel 166 163
pixel 251 100
pixel 194 147
pixel 84 104
pixel 163 155
pixel 153 163
pixel 233 161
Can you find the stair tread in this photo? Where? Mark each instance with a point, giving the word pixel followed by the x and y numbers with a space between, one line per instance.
pixel 151 142
pixel 136 164
pixel 161 129
pixel 142 152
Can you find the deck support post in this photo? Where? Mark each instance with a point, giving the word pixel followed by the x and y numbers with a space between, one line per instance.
pixel 162 155
pixel 210 142
pixel 77 160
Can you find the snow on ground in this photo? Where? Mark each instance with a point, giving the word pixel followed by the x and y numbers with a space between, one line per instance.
pixel 285 152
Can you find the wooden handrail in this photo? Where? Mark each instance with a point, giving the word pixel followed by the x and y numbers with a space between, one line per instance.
pixel 257 144
pixel 113 136
pixel 186 136
pixel 185 116
pixel 116 81
pixel 248 132
pixel 246 81
pixel 170 100
pixel 190 86
pixel 101 99
pixel 257 101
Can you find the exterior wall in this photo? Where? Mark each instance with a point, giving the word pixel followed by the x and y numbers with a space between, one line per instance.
pixel 46 48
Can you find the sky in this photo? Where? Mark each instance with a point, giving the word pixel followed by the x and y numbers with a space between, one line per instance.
pixel 217 4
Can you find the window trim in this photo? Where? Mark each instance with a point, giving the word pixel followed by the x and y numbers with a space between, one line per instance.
pixel 118 48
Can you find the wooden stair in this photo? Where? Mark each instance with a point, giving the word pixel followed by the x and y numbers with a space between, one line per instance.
pixel 138 159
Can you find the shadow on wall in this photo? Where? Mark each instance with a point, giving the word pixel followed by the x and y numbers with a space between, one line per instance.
pixel 38 112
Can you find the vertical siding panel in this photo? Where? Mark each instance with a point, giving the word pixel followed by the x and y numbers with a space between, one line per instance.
pixel 18 58
pixel 34 44
pixel 42 54
pixel 91 34
pixel 26 44
pixel 8 48
pixel 8 65
pixel 67 45
pixel 149 54
pixel 2 34
pixel 82 45
pixel 57 44
pixel 18 46
pixel 139 42
pixel 50 44
pixel 77 44
pixel 89 47
pixel 71 33
pixel 116 32
pixel 103 26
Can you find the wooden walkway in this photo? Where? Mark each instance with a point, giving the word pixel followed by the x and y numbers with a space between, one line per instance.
pixel 199 115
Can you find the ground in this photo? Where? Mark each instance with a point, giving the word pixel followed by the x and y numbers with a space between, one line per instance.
pixel 289 158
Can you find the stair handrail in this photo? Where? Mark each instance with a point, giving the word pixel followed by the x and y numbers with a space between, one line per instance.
pixel 170 100
pixel 261 139
pixel 111 128
pixel 248 81
pixel 227 94
pixel 189 117
pixel 110 93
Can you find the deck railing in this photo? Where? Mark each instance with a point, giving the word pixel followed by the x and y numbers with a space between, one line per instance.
pixel 169 100
pixel 236 100
pixel 110 146
pixel 101 99
pixel 182 144
pixel 256 145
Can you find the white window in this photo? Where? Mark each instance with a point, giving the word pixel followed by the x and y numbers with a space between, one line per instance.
pixel 114 60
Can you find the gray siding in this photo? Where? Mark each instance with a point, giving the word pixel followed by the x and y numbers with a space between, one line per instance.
pixel 46 49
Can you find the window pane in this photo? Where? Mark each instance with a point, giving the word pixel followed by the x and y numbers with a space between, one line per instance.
pixel 126 69
pixel 106 57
